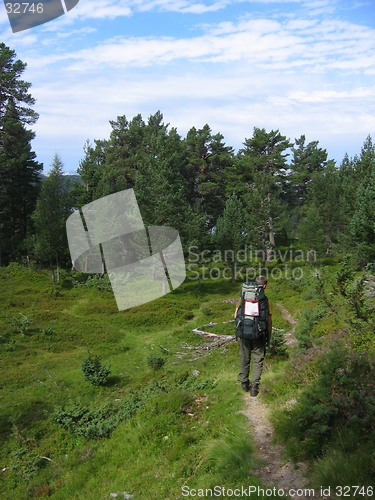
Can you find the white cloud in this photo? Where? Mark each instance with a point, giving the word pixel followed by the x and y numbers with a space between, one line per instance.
pixel 283 69
pixel 101 9
pixel 182 6
pixel 271 44
pixel 333 95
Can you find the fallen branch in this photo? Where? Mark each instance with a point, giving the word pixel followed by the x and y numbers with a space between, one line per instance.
pixel 202 332
pixel 217 340
pixel 52 379
pixel 46 458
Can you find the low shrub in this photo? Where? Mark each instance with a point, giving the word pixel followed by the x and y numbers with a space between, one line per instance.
pixel 277 345
pixel 155 362
pixel 340 401
pixel 100 282
pixel 93 370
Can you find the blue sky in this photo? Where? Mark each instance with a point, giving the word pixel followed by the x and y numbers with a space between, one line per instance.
pixel 301 66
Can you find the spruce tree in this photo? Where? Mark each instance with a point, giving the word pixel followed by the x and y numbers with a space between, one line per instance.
pixel 311 233
pixel 356 181
pixel 307 159
pixel 90 171
pixel 323 194
pixel 52 210
pixel 230 234
pixel 362 225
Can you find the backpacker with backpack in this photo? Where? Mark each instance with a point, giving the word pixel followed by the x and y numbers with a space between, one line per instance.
pixel 252 315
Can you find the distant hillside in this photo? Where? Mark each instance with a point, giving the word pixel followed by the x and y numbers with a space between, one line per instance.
pixel 69 178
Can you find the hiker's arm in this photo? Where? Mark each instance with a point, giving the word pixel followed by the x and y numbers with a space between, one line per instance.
pixel 237 307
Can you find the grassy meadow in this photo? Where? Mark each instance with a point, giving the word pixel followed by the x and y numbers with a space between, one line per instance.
pixel 148 431
pixel 168 420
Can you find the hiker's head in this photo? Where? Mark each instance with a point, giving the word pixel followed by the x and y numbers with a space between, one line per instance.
pixel 261 280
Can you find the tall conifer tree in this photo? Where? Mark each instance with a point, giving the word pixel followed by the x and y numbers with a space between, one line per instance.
pixel 19 184
pixel 264 156
pixel 52 210
pixel 230 233
pixel 19 169
pixel 208 159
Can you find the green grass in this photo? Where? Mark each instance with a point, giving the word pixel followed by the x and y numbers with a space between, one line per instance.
pixel 323 414
pixel 147 431
pixel 191 432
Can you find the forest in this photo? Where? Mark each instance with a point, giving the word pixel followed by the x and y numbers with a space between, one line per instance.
pixel 98 403
pixel 272 192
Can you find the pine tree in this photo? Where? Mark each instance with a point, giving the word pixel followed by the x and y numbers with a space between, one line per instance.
pixel 264 159
pixel 13 88
pixel 208 160
pixel 19 181
pixel 122 152
pixel 52 210
pixel 18 168
pixel 160 187
pixel 307 159
pixel 364 164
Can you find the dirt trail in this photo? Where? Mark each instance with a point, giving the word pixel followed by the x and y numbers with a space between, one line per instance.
pixel 275 471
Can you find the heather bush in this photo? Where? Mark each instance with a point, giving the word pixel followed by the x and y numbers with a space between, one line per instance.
pixel 155 362
pixel 340 401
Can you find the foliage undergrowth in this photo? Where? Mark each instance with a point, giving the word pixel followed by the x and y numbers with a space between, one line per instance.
pixel 93 370
pixel 168 415
pixel 150 427
pixel 325 413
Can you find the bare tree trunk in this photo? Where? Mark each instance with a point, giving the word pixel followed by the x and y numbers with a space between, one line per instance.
pixel 52 273
pixel 271 234
pixel 57 270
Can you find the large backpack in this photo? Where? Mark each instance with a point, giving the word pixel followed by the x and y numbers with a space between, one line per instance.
pixel 252 315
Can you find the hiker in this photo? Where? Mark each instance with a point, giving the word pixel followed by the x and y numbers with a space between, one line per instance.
pixel 253 328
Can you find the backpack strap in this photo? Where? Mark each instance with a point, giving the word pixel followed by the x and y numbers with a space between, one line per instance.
pixel 242 313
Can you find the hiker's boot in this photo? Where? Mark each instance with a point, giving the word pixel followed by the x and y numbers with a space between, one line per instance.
pixel 254 390
pixel 245 386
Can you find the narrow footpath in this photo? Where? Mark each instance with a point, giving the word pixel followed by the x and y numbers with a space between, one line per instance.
pixel 275 471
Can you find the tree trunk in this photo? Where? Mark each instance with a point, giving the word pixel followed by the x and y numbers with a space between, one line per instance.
pixel 57 270
pixel 271 235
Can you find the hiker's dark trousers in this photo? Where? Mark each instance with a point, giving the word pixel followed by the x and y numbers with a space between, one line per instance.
pixel 255 351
